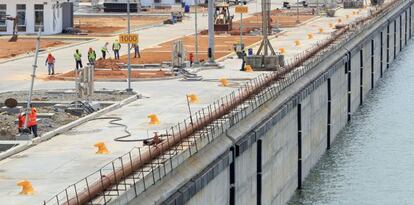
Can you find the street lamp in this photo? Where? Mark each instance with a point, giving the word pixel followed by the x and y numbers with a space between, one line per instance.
pixel 129 89
pixel 196 62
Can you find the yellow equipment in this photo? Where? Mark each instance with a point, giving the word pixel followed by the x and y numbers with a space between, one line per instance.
pixel 222 19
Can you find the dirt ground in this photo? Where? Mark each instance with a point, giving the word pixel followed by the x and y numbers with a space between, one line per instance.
pixel 277 21
pixel 162 52
pixel 116 74
pixel 22 46
pixel 101 25
pixel 60 95
pixel 159 54
pixel 8 123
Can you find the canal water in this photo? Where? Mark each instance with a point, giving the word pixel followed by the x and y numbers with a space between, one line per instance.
pixel 372 160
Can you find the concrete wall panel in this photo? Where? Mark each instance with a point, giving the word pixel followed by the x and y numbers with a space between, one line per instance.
pixel 338 102
pixel 246 173
pixel 391 48
pixel 314 127
pixel 280 160
pixel 399 34
pixel 216 192
pixel 377 57
pixel 384 50
pixel 355 82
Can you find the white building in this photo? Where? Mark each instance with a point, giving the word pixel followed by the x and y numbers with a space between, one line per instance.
pixel 32 15
pixel 120 5
pixel 168 2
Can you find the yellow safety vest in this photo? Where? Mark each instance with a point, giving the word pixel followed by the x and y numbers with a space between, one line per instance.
pixel 117 46
pixel 77 56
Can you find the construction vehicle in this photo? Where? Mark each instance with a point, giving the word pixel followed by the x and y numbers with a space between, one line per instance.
pixel 15 20
pixel 222 19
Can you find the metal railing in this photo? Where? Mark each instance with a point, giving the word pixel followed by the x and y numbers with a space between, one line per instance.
pixel 145 176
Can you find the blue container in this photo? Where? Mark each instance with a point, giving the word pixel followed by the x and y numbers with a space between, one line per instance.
pixel 250 51
pixel 187 9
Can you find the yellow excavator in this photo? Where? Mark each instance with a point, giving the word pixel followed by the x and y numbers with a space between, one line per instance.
pixel 222 19
pixel 14 20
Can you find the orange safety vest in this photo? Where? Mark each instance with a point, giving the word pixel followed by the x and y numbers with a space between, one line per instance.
pixel 32 118
pixel 21 119
pixel 50 59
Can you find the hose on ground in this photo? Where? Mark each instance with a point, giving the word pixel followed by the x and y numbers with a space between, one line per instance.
pixel 115 121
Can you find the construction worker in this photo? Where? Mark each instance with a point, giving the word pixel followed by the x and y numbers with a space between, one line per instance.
pixel 22 118
pixel 50 62
pixel 104 50
pixel 243 60
pixel 91 56
pixel 136 49
pixel 191 58
pixel 116 46
pixel 32 123
pixel 78 59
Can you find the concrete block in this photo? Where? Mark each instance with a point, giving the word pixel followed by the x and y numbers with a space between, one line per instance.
pixel 11 111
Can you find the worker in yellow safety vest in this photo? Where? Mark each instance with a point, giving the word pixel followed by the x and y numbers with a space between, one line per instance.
pixel 91 56
pixel 104 50
pixel 78 59
pixel 116 46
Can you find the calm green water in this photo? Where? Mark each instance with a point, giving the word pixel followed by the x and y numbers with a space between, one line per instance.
pixel 372 160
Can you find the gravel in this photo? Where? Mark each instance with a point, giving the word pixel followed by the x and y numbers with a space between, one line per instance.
pixel 8 123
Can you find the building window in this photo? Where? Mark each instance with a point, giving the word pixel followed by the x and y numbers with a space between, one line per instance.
pixel 157 1
pixel 3 21
pixel 21 17
pixel 39 20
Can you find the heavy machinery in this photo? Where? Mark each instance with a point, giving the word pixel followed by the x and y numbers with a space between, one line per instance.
pixel 223 21
pixel 15 21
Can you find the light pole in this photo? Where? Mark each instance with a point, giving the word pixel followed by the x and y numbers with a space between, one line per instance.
pixel 297 11
pixel 211 11
pixel 129 89
pixel 241 29
pixel 29 99
pixel 196 62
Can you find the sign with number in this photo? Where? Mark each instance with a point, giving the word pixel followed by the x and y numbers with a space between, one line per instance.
pixel 128 38
pixel 241 9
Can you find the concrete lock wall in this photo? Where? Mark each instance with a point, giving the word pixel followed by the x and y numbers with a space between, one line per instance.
pixel 274 149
